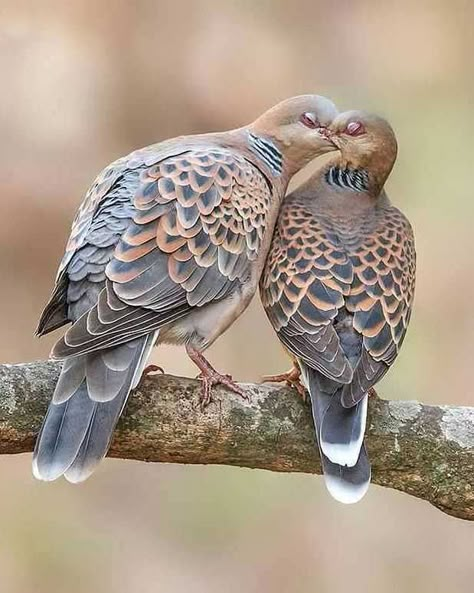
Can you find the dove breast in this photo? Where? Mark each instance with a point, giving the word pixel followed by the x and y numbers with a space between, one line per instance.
pixel 204 325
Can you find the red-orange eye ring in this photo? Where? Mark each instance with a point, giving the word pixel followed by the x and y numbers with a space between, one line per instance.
pixel 355 128
pixel 310 120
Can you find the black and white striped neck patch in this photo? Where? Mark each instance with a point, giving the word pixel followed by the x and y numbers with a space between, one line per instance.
pixel 267 151
pixel 352 179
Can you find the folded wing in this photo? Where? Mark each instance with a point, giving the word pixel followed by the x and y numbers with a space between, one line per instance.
pixel 198 222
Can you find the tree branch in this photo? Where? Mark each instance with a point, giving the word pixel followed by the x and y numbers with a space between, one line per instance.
pixel 425 451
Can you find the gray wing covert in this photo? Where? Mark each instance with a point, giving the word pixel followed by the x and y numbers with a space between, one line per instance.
pixel 101 219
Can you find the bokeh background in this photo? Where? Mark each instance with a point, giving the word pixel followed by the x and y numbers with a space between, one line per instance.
pixel 84 82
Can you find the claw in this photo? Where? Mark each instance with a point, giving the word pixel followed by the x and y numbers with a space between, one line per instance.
pixel 152 368
pixel 372 393
pixel 210 377
pixel 291 378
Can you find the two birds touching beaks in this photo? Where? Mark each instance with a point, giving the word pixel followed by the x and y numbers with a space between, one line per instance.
pixel 172 242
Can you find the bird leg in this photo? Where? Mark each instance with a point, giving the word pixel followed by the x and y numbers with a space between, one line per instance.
pixel 291 378
pixel 210 377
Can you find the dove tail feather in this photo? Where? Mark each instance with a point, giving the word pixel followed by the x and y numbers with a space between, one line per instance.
pixel 77 431
pixel 347 484
pixel 340 434
pixel 342 430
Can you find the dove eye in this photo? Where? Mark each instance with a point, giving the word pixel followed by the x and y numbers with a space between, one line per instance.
pixel 309 120
pixel 355 128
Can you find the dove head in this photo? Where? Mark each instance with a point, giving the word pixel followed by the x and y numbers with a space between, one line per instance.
pixel 293 131
pixel 367 144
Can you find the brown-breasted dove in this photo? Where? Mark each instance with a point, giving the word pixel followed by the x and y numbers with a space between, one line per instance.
pixel 167 247
pixel 338 289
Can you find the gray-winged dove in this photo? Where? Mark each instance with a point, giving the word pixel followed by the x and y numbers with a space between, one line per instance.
pixel 168 247
pixel 338 289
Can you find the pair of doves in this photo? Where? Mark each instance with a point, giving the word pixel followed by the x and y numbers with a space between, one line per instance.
pixel 171 244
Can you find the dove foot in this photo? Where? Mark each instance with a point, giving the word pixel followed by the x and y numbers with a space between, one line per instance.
pixel 373 393
pixel 148 370
pixel 152 368
pixel 210 377
pixel 292 378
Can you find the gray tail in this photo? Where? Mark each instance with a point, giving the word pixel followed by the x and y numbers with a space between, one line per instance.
pixel 89 397
pixel 340 434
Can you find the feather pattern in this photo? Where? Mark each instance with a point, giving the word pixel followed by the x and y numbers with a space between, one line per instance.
pixel 268 152
pixel 322 263
pixel 184 244
pixel 347 178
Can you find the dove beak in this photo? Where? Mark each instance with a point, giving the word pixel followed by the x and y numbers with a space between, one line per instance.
pixel 329 135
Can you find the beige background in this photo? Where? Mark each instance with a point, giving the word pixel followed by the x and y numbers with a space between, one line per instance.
pixel 85 82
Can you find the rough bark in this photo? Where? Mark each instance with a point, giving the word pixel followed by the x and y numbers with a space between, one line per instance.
pixel 425 451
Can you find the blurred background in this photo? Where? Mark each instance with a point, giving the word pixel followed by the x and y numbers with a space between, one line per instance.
pixel 85 82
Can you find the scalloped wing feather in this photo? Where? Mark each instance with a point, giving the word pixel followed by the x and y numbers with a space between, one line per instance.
pixel 186 246
pixel 321 268
pixel 381 298
pixel 303 287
